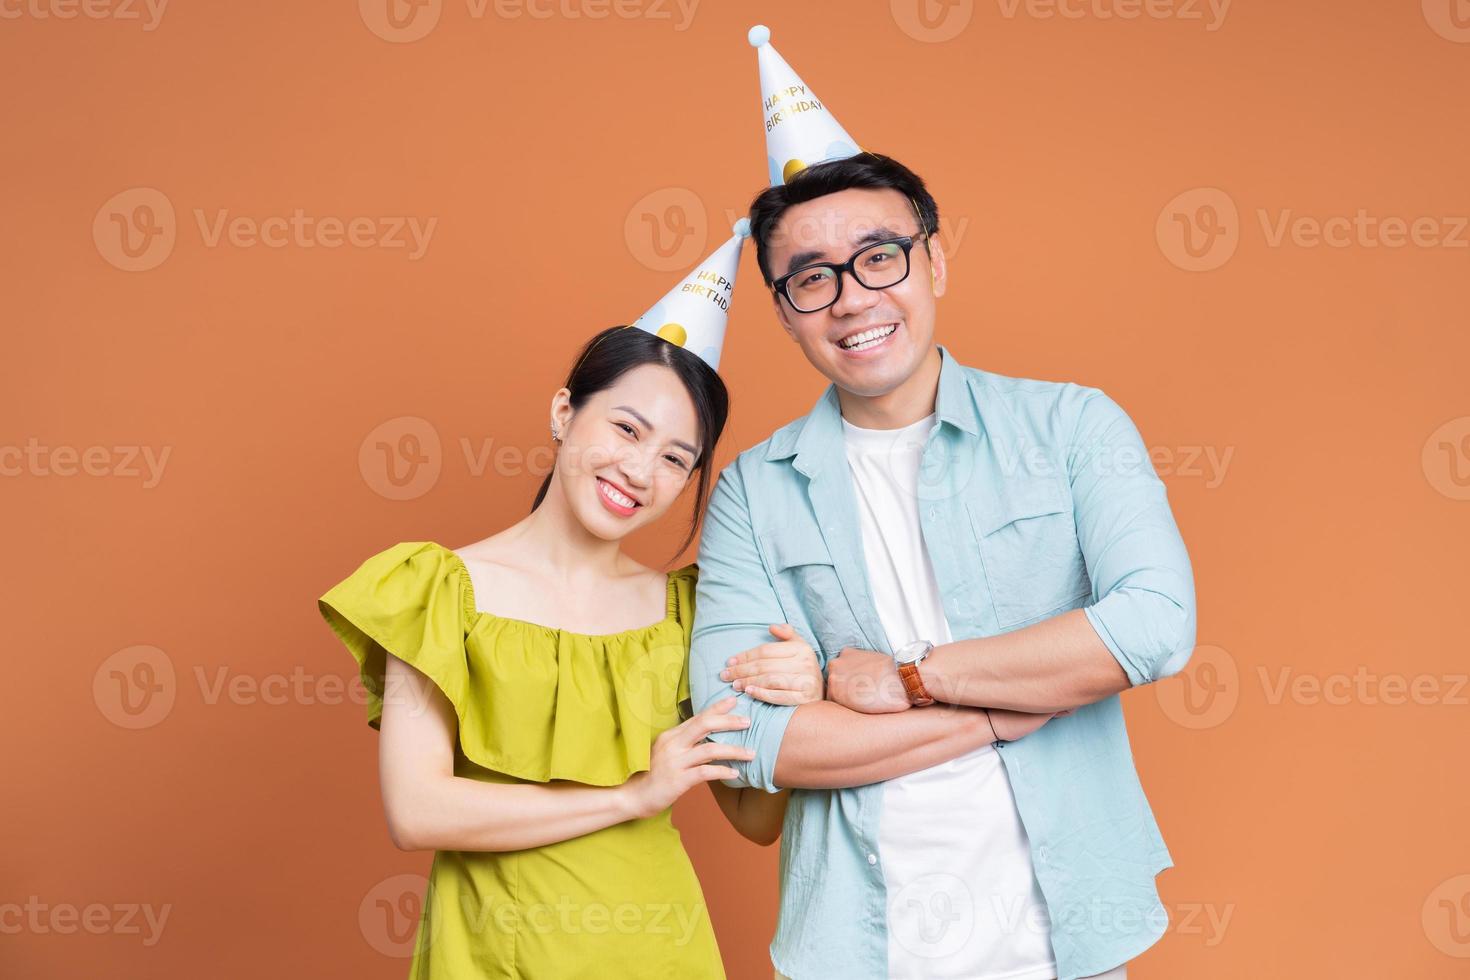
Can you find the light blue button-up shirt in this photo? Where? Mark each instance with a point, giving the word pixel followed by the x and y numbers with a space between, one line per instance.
pixel 1035 498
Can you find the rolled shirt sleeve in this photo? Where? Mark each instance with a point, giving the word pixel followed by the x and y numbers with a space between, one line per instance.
pixel 1143 605
pixel 735 606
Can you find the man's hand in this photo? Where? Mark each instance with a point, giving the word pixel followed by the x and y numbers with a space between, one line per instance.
pixel 866 681
pixel 785 672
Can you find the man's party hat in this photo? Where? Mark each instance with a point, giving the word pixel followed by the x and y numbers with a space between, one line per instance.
pixel 800 131
pixel 692 315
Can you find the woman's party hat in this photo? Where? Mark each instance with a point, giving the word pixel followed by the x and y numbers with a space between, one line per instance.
pixel 692 315
pixel 800 131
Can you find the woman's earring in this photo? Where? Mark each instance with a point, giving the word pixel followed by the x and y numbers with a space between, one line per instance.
pixel 555 433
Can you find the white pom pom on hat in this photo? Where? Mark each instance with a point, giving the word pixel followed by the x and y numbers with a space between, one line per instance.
pixel 800 129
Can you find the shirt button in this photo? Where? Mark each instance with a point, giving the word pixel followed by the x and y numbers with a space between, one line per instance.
pixel 872 859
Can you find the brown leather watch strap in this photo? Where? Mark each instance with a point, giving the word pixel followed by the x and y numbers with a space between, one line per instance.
pixel 913 685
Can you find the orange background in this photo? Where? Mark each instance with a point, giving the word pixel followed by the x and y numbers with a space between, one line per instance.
pixel 1328 838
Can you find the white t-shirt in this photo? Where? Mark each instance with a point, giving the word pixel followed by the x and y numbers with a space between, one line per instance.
pixel 963 901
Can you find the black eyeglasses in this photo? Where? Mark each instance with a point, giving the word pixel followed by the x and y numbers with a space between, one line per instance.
pixel 819 285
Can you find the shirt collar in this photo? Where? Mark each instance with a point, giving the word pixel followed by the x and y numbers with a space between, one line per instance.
pixel 819 435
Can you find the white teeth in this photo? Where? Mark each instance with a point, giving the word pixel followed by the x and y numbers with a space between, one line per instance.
pixel 621 499
pixel 866 339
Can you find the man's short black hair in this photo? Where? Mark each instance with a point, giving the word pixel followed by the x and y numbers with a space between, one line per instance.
pixel 872 170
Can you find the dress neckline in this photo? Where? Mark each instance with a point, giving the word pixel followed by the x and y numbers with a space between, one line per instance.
pixel 671 608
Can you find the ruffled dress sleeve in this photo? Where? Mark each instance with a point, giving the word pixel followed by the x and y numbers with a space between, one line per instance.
pixel 412 600
pixel 533 702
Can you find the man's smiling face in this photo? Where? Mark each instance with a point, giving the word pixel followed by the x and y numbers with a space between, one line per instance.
pixel 871 340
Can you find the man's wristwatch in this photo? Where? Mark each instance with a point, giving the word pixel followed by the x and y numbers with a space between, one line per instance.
pixel 909 657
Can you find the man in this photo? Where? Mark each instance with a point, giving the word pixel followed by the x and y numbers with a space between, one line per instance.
pixel 998 545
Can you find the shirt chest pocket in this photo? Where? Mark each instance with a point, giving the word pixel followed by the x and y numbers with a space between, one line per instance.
pixel 810 590
pixel 1028 544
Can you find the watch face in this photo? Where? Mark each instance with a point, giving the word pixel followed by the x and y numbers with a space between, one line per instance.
pixel 911 652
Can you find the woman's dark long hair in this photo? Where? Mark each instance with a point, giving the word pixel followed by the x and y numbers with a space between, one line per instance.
pixel 617 350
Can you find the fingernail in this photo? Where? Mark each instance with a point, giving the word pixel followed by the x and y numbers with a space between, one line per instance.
pixel 724 675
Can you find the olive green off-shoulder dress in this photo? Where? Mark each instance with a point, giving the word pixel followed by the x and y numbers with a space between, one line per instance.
pixel 537 704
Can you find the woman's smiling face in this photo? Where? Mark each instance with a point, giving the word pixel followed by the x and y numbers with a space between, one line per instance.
pixel 628 452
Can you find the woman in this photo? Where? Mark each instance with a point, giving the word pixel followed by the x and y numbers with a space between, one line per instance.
pixel 528 689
